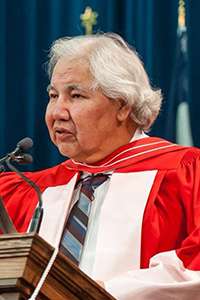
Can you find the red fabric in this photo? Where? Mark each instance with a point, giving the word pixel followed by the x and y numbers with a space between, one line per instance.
pixel 20 198
pixel 172 214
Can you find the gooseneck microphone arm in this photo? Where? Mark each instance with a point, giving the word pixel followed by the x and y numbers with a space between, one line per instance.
pixel 38 214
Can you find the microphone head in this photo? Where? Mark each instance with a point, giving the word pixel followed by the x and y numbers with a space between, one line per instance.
pixel 25 144
pixel 26 159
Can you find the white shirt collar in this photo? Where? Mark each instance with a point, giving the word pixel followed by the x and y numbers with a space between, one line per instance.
pixel 139 134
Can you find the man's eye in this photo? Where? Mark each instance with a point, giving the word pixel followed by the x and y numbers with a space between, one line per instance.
pixel 53 96
pixel 76 95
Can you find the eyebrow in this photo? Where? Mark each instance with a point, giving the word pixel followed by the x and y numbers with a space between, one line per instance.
pixel 49 87
pixel 71 86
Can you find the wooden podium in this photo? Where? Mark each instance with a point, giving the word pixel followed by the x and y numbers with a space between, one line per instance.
pixel 23 259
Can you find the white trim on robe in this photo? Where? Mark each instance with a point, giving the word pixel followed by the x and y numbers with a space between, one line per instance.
pixel 119 234
pixel 56 202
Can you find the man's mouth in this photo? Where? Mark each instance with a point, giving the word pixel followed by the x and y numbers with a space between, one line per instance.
pixel 62 133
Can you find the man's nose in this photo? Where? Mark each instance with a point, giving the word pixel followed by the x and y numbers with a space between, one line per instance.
pixel 61 110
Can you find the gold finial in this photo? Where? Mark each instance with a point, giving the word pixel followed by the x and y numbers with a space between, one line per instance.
pixel 88 18
pixel 181 14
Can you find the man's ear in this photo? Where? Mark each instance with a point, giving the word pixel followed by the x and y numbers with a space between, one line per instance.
pixel 124 111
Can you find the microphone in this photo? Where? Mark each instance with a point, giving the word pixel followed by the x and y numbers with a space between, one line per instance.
pixel 25 144
pixel 18 154
pixel 24 159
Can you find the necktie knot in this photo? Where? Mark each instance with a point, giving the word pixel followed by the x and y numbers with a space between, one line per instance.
pixel 91 182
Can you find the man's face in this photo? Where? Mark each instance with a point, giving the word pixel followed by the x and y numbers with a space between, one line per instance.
pixel 82 123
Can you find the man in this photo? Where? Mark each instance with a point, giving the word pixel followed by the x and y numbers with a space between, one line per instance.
pixel 136 197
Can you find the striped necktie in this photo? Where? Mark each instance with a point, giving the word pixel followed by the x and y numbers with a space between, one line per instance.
pixel 74 234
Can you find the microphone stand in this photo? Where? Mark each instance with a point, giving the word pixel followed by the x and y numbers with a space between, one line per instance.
pixel 2 161
pixel 38 214
pixel 2 169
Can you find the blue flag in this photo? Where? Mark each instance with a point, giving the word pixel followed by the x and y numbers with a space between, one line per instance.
pixel 178 127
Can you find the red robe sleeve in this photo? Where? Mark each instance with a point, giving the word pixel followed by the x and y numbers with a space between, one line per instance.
pixel 189 176
pixel 19 198
pixel 172 216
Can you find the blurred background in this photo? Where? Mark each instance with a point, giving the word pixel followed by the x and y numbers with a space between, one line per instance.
pixel 164 33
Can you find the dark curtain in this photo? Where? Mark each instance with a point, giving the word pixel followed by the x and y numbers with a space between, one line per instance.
pixel 192 18
pixel 27 29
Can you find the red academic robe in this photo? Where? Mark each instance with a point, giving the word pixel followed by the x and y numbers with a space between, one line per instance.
pixel 171 218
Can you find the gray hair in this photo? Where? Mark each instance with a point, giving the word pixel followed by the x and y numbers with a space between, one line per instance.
pixel 117 71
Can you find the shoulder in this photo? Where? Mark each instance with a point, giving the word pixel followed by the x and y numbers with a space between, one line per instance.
pixel 176 155
pixel 190 154
pixel 183 156
pixel 160 154
pixel 182 170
